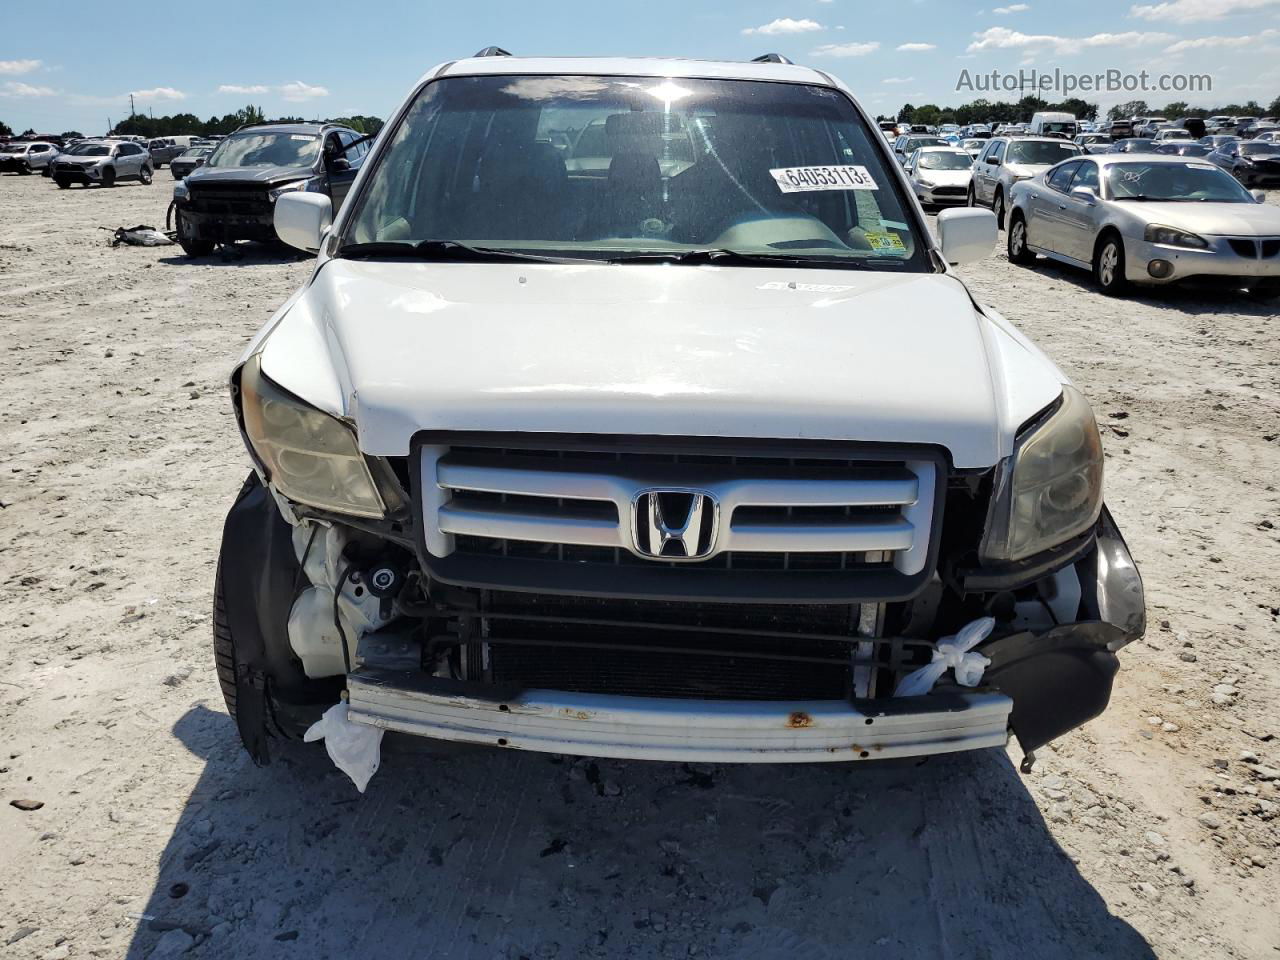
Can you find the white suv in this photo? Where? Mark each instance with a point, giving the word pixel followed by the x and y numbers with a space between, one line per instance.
pixel 703 452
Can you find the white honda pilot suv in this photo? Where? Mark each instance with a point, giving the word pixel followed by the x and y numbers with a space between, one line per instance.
pixel 632 410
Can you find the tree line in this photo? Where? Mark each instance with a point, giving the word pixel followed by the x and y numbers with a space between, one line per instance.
pixel 988 111
pixel 183 124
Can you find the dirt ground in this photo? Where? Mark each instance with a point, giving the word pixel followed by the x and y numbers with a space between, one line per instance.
pixel 1153 831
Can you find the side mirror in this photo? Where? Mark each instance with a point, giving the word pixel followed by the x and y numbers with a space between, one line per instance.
pixel 1259 196
pixel 301 219
pixel 337 164
pixel 1086 194
pixel 966 234
pixel 995 161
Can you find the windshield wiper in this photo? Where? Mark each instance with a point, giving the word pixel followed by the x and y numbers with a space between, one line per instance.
pixel 1143 197
pixel 719 256
pixel 450 250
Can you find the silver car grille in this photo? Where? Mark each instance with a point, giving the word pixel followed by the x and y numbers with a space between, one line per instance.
pixel 774 513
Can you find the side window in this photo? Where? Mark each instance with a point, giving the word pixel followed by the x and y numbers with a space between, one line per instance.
pixel 996 154
pixel 1086 176
pixel 1062 175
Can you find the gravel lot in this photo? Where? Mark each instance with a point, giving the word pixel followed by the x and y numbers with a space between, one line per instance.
pixel 1151 832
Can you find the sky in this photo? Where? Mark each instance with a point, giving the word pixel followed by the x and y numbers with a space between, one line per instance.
pixel 71 64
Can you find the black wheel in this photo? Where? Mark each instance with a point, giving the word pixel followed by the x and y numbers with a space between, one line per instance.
pixel 24 169
pixel 971 200
pixel 145 175
pixel 1019 252
pixel 1265 293
pixel 997 207
pixel 224 648
pixel 191 246
pixel 109 177
pixel 1108 266
pixel 62 182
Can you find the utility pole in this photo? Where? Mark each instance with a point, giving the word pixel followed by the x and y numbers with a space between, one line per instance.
pixel 131 110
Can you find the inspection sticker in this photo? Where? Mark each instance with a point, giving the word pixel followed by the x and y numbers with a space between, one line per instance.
pixel 803 179
pixel 886 243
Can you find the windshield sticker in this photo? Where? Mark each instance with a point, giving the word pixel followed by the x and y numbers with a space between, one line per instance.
pixel 1202 166
pixel 893 224
pixel 300 136
pixel 886 244
pixel 806 287
pixel 804 179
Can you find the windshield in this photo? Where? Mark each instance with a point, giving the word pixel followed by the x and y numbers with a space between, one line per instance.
pixel 1174 182
pixel 656 167
pixel 1041 153
pixel 915 143
pixel 196 152
pixel 1063 127
pixel 89 150
pixel 1259 149
pixel 266 150
pixel 945 160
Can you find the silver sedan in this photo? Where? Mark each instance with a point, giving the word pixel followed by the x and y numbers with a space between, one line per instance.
pixel 1147 219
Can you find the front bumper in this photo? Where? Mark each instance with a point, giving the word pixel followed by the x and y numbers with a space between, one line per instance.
pixel 942 196
pixel 77 173
pixel 227 227
pixel 648 728
pixel 1221 261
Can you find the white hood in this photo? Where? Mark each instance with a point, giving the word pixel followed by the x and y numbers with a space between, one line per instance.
pixel 945 178
pixel 656 350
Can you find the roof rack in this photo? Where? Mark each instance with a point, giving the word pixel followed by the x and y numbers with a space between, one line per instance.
pixel 770 58
pixel 494 52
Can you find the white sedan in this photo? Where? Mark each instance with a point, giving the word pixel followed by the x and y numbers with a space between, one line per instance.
pixel 1146 219
pixel 940 175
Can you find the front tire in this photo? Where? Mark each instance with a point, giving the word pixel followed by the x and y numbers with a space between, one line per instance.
pixel 971 199
pixel 109 177
pixel 1108 267
pixel 191 246
pixel 1019 252
pixel 145 176
pixel 997 207
pixel 24 169
pixel 62 182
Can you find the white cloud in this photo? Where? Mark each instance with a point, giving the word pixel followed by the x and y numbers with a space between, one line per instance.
pixel 14 88
pixel 917 47
pixel 297 91
pixel 1204 43
pixel 1002 38
pixel 784 25
pixel 13 68
pixel 158 93
pixel 1012 8
pixel 250 88
pixel 898 80
pixel 1197 11
pixel 845 49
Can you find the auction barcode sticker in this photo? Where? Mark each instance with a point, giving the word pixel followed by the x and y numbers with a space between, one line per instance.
pixel 801 179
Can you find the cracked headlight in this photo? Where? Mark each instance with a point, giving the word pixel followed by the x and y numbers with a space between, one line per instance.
pixel 1050 490
pixel 309 456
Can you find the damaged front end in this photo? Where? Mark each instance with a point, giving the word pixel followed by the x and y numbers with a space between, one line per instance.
pixel 439 611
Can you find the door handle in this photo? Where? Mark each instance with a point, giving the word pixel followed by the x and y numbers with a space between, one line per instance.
pixel 1035 196
pixel 1062 206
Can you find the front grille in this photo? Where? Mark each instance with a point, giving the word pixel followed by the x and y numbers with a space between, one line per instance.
pixel 1270 247
pixel 948 191
pixel 230 200
pixel 567 516
pixel 1244 248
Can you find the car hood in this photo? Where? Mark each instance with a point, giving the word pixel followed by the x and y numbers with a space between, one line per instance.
pixel 1209 219
pixel 945 178
pixel 251 174
pixel 656 350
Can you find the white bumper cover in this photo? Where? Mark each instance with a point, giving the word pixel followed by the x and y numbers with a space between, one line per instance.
pixel 686 730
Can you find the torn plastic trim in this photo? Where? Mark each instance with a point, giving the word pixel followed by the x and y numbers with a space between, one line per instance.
pixel 1057 680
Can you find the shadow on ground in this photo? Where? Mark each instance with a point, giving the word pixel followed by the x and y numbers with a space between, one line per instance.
pixel 246 254
pixel 491 854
